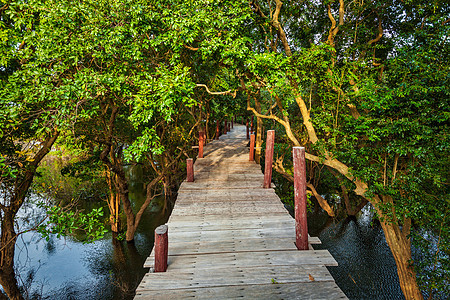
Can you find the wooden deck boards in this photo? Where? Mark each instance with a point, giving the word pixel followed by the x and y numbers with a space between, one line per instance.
pixel 230 238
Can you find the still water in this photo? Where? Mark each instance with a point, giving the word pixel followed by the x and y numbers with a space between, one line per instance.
pixel 106 269
pixel 366 268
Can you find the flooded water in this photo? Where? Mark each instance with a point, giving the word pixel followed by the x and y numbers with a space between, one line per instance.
pixel 68 269
pixel 366 268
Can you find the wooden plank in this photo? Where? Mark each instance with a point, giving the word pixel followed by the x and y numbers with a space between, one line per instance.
pixel 231 225
pixel 314 290
pixel 247 206
pixel 235 192
pixel 211 210
pixel 233 276
pixel 215 219
pixel 249 259
pixel 236 245
pixel 207 235
pixel 253 259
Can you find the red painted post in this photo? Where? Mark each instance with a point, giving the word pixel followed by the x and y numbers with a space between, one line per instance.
pixel 225 128
pixel 270 142
pixel 217 130
pixel 161 248
pixel 190 170
pixel 229 126
pixel 301 225
pixel 252 148
pixel 252 125
pixel 248 134
pixel 232 122
pixel 201 137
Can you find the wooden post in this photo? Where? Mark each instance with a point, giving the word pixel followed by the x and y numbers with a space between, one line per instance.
pixel 232 122
pixel 252 125
pixel 270 142
pixel 190 170
pixel 229 126
pixel 301 225
pixel 252 148
pixel 225 127
pixel 217 130
pixel 201 137
pixel 161 248
pixel 248 134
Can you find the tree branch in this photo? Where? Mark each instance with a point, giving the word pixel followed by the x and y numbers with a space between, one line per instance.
pixel 322 202
pixel 148 199
pixel 190 48
pixel 379 34
pixel 229 92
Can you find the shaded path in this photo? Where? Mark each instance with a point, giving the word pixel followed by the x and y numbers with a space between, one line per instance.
pixel 230 238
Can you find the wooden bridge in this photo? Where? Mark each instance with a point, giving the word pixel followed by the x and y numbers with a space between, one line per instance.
pixel 230 238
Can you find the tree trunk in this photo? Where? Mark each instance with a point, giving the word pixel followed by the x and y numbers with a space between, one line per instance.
pixel 401 250
pixel 7 245
pixel 400 245
pixel 113 202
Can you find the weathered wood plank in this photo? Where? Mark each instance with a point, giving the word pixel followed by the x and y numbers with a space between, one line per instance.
pixel 314 290
pixel 233 276
pixel 236 245
pixel 207 235
pixel 249 259
pixel 230 225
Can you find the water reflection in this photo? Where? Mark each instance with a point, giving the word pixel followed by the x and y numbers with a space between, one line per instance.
pixel 69 269
pixel 367 268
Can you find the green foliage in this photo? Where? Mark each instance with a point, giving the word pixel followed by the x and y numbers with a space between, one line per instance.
pixel 64 223
pixel 80 179
pixel 129 76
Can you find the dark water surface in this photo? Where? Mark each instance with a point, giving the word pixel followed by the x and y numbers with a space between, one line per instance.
pixel 107 269
pixel 366 268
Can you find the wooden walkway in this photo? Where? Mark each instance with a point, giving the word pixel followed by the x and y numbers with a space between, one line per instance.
pixel 230 238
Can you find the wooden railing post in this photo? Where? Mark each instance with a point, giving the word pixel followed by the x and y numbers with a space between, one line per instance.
pixel 229 126
pixel 301 225
pixel 232 122
pixel 252 126
pixel 252 148
pixel 161 248
pixel 190 170
pixel 270 142
pixel 248 134
pixel 225 127
pixel 201 137
pixel 217 130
